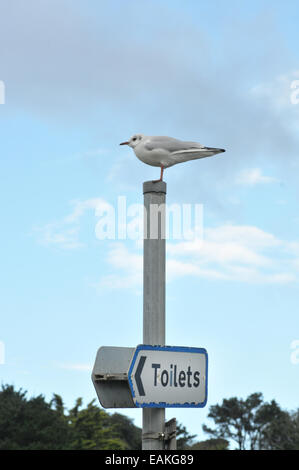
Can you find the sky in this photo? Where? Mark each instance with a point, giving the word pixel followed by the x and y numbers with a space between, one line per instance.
pixel 78 78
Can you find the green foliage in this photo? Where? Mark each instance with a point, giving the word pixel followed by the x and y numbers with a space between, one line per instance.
pixel 211 444
pixel 129 433
pixel 254 425
pixel 34 424
pixel 280 428
pixel 183 438
pixel 92 429
pixel 29 424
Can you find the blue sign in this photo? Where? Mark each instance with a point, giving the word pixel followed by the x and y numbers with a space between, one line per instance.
pixel 169 376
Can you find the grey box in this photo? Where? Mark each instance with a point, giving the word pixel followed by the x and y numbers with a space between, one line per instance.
pixel 110 377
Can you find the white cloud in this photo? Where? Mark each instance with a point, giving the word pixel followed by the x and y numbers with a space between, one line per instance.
pixel 278 91
pixel 253 176
pixel 177 269
pixel 79 207
pixel 55 234
pixel 242 253
pixel 64 233
pixel 247 234
pixel 128 266
pixel 229 252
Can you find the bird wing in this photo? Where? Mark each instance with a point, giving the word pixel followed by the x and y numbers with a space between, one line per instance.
pixel 169 144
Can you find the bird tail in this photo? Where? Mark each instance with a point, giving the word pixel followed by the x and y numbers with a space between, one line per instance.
pixel 194 154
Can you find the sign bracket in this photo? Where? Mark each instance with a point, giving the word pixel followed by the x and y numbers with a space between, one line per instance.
pixel 168 437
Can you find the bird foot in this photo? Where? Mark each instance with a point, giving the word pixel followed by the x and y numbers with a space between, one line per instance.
pixel 157 181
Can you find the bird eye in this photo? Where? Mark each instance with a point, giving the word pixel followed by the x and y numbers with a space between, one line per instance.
pixel 134 138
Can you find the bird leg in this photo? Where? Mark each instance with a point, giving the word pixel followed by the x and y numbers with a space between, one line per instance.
pixel 161 176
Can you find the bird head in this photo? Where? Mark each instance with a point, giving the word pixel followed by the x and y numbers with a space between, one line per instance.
pixel 135 140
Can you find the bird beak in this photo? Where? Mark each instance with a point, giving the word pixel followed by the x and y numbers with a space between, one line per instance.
pixel 124 143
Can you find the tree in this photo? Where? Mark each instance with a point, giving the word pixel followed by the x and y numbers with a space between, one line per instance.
pixel 234 420
pixel 91 429
pixel 34 424
pixel 253 424
pixel 280 429
pixel 129 433
pixel 183 438
pixel 30 424
pixel 211 444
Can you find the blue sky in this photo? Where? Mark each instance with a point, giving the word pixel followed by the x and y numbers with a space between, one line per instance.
pixel 79 79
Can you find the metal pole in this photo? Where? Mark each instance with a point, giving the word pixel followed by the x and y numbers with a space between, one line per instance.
pixel 153 426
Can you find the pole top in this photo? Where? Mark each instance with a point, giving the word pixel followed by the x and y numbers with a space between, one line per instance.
pixel 154 187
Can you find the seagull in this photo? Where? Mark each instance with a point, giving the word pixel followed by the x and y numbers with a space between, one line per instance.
pixel 166 151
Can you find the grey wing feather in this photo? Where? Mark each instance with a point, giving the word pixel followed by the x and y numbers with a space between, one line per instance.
pixel 170 144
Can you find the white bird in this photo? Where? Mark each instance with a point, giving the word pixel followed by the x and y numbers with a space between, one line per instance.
pixel 165 151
